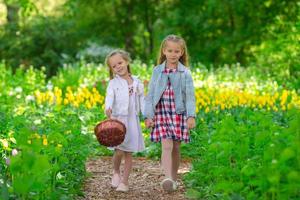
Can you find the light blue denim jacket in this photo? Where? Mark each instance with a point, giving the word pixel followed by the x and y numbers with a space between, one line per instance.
pixel 182 84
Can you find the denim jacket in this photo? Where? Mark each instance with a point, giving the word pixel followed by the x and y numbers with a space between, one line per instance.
pixel 182 84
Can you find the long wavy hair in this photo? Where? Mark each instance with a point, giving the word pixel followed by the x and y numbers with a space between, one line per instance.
pixel 184 59
pixel 124 54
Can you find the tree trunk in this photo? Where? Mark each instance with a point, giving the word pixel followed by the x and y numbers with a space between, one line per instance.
pixel 128 24
pixel 12 13
pixel 149 27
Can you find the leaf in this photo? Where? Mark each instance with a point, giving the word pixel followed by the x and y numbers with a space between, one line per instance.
pixel 193 194
pixel 287 154
pixel 22 184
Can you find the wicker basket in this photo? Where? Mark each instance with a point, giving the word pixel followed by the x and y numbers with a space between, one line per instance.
pixel 110 132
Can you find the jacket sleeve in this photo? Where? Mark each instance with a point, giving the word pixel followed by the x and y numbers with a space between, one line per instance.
pixel 109 98
pixel 148 108
pixel 190 95
pixel 141 97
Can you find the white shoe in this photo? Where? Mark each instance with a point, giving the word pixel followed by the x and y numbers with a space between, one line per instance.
pixel 168 185
pixel 122 188
pixel 115 180
pixel 175 185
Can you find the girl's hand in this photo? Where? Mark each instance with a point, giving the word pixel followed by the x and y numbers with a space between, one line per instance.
pixel 108 113
pixel 149 123
pixel 191 123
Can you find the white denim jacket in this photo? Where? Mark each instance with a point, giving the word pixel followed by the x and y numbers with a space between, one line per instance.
pixel 117 96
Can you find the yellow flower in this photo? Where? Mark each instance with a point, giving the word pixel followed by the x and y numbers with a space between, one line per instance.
pixel 66 101
pixel 76 104
pixel 37 136
pixel 45 141
pixel 222 106
pixel 58 100
pixel 207 109
pixel 10 133
pixel 4 143
pixel 88 105
pixel 19 110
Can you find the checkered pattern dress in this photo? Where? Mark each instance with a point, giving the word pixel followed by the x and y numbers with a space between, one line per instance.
pixel 168 124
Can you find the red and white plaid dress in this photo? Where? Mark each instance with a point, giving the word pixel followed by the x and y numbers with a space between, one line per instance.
pixel 168 124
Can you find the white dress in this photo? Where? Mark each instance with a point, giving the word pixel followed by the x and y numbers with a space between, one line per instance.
pixel 134 141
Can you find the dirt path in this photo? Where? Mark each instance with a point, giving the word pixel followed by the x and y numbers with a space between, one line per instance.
pixel 144 181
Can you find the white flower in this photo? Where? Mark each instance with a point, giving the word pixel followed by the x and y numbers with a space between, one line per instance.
pixel 82 85
pixel 18 89
pixel 37 121
pixel 18 96
pixel 59 176
pixel 7 161
pixel 49 85
pixel 14 152
pixel 81 118
pixel 84 130
pixel 29 98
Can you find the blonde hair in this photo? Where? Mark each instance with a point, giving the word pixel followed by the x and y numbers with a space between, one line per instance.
pixel 124 54
pixel 184 59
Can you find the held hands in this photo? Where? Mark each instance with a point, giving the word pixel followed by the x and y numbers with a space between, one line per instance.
pixel 191 123
pixel 108 113
pixel 149 123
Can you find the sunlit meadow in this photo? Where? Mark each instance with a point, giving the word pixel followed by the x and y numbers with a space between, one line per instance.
pixel 245 145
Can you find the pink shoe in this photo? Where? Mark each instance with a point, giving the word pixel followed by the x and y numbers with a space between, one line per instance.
pixel 115 180
pixel 122 188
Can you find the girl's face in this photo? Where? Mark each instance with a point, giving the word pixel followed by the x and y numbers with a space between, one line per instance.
pixel 173 52
pixel 118 65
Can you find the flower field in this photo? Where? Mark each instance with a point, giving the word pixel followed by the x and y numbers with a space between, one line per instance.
pixel 245 146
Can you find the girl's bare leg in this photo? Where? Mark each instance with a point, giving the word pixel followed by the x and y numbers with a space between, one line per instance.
pixel 175 159
pixel 117 158
pixel 166 157
pixel 127 167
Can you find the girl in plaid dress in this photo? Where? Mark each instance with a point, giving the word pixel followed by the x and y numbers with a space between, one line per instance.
pixel 170 105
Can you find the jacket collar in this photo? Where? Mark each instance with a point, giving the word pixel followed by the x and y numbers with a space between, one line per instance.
pixel 135 79
pixel 180 67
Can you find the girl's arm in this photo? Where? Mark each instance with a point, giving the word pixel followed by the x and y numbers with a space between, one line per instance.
pixel 109 98
pixel 190 95
pixel 148 111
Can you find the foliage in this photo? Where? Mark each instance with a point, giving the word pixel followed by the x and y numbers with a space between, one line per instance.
pixel 246 154
pixel 260 33
pixel 45 42
pixel 46 132
pixel 278 54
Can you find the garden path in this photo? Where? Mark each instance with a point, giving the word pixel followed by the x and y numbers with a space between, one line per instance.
pixel 144 181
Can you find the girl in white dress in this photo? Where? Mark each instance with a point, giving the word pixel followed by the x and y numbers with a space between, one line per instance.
pixel 124 101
